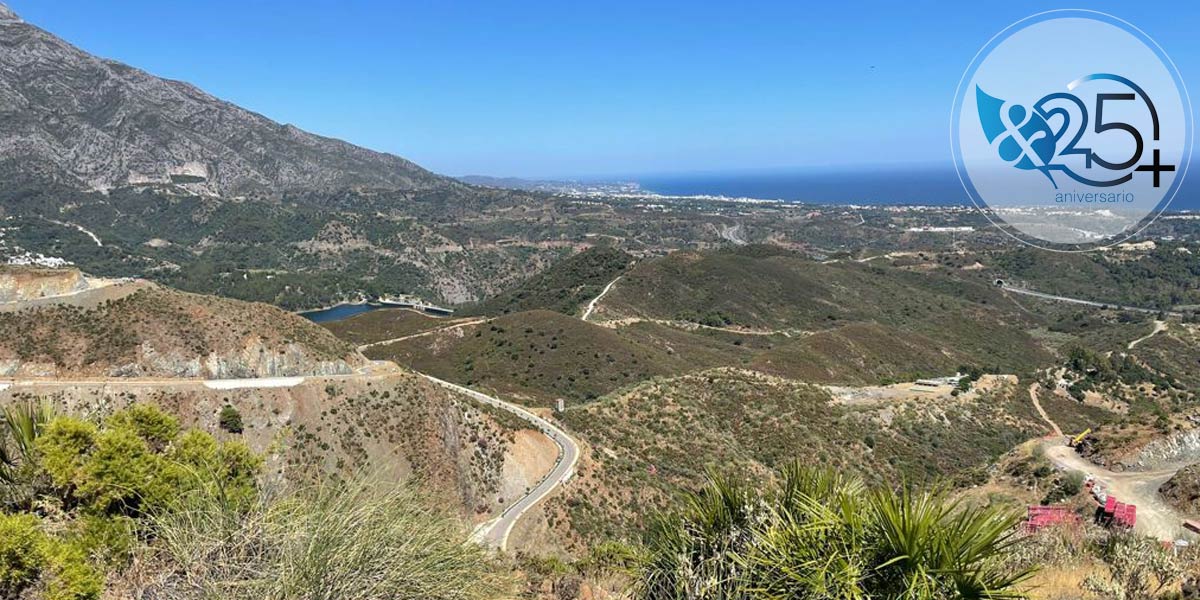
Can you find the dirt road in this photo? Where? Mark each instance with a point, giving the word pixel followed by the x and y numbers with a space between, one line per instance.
pixel 1159 327
pixel 1154 516
pixel 1033 389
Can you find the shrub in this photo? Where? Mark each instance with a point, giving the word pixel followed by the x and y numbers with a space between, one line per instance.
pixel 148 422
pixel 139 462
pixel 231 419
pixel 21 553
pixel 63 447
pixel 351 541
pixel 820 534
pixel 69 575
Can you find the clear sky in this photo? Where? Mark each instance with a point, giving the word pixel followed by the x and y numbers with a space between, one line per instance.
pixel 563 88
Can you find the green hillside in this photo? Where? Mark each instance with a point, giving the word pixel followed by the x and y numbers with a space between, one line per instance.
pixel 660 437
pixel 951 316
pixel 860 353
pixel 563 287
pixel 535 357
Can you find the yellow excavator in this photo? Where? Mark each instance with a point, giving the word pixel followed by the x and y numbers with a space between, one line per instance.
pixel 1079 438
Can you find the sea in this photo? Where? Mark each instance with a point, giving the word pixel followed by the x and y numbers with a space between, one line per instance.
pixel 884 186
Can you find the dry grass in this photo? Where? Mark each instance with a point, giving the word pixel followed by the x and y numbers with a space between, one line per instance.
pixel 359 540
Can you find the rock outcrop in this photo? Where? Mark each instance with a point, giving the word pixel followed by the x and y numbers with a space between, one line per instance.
pixel 21 284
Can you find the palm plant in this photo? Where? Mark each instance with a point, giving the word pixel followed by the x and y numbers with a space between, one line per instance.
pixel 691 554
pixel 821 534
pixel 20 426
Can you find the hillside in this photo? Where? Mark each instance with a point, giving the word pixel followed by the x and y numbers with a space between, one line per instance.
pixel 764 288
pixel 861 354
pixel 657 438
pixel 399 427
pixel 563 287
pixel 1120 275
pixel 139 329
pixel 758 308
pixel 95 124
pixel 534 357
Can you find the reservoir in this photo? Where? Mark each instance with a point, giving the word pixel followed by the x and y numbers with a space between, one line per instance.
pixel 337 313
pixel 345 311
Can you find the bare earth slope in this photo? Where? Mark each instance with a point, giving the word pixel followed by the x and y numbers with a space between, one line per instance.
pixel 158 332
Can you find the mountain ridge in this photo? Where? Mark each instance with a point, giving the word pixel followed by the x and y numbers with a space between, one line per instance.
pixel 91 123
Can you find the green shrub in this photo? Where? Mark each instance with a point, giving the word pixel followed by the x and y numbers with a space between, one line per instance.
pixel 121 474
pixel 231 419
pixel 820 534
pixel 69 575
pixel 108 539
pixel 22 553
pixel 63 447
pixel 138 461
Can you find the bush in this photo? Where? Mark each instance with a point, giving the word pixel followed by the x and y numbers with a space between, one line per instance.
pixel 231 419
pixel 22 556
pixel 147 422
pixel 820 534
pixel 352 541
pixel 69 574
pixel 139 462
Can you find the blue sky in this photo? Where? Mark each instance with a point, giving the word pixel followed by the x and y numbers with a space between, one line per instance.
pixel 560 89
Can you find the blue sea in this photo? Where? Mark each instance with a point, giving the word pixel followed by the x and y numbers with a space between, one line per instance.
pixel 929 186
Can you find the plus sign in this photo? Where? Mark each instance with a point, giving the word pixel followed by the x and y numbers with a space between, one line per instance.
pixel 1156 167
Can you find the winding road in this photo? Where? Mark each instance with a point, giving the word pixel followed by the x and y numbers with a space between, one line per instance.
pixel 495 533
pixel 1045 296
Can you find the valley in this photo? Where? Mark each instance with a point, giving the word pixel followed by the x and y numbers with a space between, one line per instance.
pixel 239 359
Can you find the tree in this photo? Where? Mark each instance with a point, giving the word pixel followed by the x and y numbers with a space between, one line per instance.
pixel 230 419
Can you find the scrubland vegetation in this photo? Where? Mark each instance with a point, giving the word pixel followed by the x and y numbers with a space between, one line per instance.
pixel 136 506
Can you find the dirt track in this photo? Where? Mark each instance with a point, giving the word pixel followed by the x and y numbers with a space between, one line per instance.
pixel 1154 516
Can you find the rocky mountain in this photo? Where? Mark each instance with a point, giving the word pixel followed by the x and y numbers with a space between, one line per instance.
pixel 88 123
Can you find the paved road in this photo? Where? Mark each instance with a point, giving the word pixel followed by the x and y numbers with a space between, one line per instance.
pixel 215 384
pixel 495 533
pixel 1044 296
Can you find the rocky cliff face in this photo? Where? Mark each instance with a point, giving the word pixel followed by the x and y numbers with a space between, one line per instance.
pixel 1177 448
pixel 74 119
pixel 1183 490
pixel 22 284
